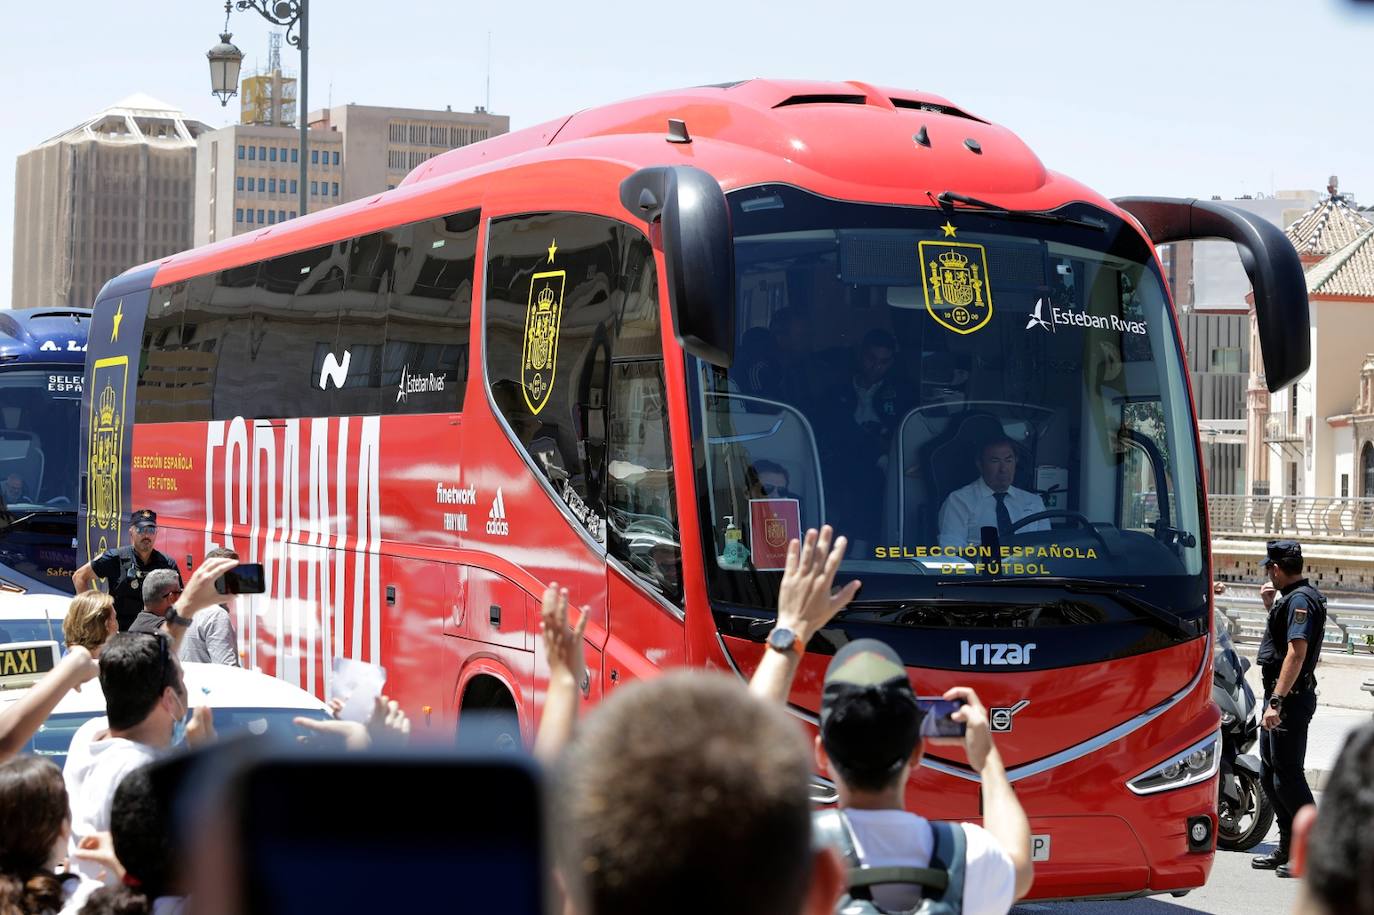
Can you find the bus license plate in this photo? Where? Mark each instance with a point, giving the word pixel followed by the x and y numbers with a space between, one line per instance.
pixel 1040 848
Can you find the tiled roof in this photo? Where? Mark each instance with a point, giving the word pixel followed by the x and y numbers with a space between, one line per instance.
pixel 1327 227
pixel 1348 272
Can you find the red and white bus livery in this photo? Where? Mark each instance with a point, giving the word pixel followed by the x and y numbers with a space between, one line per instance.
pixel 635 350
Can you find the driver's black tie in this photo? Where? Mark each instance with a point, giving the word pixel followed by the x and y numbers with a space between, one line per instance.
pixel 1003 516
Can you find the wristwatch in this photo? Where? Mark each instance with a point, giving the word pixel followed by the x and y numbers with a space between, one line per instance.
pixel 785 640
pixel 1276 703
pixel 176 619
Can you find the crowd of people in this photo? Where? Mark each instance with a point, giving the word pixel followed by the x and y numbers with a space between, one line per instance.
pixel 687 793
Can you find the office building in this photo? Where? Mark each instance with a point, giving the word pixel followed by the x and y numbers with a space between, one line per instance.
pixel 113 192
pixel 248 174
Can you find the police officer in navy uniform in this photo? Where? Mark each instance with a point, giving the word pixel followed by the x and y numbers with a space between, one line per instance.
pixel 123 568
pixel 1288 658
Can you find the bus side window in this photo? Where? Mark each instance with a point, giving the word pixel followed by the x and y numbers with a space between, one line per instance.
pixel 552 279
pixel 640 496
pixel 429 313
pixel 163 372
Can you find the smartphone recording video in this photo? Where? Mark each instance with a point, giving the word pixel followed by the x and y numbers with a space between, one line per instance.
pixel 245 578
pixel 936 723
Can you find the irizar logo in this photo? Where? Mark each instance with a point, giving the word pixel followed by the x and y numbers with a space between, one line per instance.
pixel 999 654
pixel 334 370
pixel 497 525
pixel 1036 319
pixel 418 384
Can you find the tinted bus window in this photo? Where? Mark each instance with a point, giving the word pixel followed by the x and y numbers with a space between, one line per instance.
pixel 429 312
pixel 550 282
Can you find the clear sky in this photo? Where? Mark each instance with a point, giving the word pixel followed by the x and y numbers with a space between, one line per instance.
pixel 1176 97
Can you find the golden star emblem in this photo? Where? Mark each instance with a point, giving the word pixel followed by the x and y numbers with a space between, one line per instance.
pixel 553 248
pixel 949 229
pixel 118 316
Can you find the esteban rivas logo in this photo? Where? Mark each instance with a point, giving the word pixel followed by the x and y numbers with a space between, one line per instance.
pixel 1036 318
pixel 497 525
pixel 417 384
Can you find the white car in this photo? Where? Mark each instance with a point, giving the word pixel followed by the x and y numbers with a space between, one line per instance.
pixel 242 700
pixel 32 617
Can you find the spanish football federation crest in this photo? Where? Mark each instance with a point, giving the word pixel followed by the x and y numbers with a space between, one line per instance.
pixel 106 466
pixel 955 277
pixel 543 316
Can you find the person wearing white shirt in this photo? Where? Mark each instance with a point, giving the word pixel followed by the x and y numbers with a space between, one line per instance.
pixel 990 501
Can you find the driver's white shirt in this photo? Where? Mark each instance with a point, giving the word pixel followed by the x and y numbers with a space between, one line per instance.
pixel 971 508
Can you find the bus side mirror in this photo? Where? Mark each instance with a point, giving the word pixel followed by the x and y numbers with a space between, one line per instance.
pixel 1269 259
pixel 697 246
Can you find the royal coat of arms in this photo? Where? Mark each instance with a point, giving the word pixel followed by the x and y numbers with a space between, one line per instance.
pixel 105 467
pixel 956 284
pixel 543 317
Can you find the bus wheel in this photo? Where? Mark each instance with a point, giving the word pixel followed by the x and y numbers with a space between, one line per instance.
pixel 487 719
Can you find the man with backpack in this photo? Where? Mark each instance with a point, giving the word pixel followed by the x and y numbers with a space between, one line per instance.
pixel 869 741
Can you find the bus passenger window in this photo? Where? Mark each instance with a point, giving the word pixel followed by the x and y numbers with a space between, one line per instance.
pixel 552 279
pixel 640 496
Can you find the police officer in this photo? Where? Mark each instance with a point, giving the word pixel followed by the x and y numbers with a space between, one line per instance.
pixel 1287 658
pixel 124 567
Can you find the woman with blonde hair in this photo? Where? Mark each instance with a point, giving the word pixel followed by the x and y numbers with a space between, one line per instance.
pixel 90 621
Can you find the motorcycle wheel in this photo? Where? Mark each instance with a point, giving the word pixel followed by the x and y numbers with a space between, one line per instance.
pixel 1248 826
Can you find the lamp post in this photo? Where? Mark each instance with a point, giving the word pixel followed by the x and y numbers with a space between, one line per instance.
pixel 225 61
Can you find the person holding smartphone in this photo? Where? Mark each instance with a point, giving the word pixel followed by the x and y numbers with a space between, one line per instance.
pixel 870 739
pixel 211 637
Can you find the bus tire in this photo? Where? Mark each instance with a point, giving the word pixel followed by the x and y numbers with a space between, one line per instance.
pixel 487 718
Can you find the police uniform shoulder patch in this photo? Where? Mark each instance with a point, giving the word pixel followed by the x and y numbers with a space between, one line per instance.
pixel 1299 616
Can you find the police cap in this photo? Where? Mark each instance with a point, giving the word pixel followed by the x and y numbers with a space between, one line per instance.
pixel 1282 549
pixel 144 517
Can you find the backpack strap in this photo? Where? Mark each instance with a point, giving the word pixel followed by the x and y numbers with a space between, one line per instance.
pixel 831 828
pixel 949 855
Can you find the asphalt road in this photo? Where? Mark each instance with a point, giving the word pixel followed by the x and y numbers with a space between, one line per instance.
pixel 1233 889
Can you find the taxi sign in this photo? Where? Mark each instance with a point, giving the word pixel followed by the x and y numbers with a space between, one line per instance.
pixel 23 664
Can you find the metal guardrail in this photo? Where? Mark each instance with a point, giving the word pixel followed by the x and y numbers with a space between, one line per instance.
pixel 1295 516
pixel 1350 627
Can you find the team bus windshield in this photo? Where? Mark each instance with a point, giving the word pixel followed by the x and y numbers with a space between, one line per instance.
pixel 40 420
pixel 991 406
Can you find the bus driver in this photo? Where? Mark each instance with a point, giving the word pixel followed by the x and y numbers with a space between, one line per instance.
pixel 989 501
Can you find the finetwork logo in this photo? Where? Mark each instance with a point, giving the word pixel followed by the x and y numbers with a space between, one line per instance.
pixel 418 384
pixel 334 370
pixel 1037 319
pixel 497 525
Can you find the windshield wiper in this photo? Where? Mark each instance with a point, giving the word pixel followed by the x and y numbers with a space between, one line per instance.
pixel 949 198
pixel 1118 591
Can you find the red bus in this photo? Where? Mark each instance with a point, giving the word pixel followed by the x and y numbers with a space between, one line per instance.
pixel 636 349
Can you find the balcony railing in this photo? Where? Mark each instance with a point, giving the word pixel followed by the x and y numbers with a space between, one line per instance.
pixel 1292 516
pixel 1282 427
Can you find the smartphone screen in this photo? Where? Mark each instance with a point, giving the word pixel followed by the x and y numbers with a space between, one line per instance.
pixel 400 834
pixel 936 722
pixel 244 578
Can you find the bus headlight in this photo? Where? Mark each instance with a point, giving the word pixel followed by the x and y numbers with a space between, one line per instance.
pixel 1194 764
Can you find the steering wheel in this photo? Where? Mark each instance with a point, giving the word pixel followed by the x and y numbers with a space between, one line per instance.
pixel 1075 517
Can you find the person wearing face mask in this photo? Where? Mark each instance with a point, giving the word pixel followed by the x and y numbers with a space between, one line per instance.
pixel 147 711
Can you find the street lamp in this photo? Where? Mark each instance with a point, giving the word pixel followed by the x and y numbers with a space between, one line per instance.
pixel 225 61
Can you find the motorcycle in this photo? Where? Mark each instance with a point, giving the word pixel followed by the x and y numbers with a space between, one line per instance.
pixel 1244 814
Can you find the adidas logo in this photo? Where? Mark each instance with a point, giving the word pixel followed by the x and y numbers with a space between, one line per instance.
pixel 497 525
